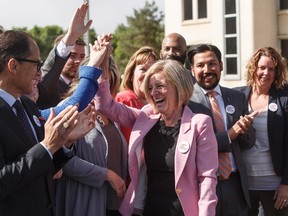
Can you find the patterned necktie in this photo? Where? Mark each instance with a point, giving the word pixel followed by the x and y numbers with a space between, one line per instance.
pixel 22 118
pixel 225 166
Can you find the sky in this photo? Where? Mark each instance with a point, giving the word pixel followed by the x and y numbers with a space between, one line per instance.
pixel 106 14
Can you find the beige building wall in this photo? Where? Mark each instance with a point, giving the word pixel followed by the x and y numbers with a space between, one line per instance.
pixel 260 23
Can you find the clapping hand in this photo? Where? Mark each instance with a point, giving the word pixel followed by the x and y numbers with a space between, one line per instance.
pixel 242 125
pixel 57 128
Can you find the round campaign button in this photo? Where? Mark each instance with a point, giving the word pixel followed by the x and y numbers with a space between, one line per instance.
pixel 184 147
pixel 230 109
pixel 36 120
pixel 273 107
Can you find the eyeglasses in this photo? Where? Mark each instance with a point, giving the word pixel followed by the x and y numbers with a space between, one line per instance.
pixel 39 63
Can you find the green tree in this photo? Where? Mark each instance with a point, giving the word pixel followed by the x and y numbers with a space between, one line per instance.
pixel 144 28
pixel 45 36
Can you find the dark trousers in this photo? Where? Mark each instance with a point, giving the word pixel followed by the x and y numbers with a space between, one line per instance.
pixel 112 213
pixel 231 200
pixel 267 202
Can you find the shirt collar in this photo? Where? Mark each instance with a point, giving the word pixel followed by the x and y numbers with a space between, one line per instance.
pixel 216 89
pixel 7 97
pixel 67 81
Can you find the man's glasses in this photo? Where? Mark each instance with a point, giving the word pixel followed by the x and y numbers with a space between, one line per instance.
pixel 39 63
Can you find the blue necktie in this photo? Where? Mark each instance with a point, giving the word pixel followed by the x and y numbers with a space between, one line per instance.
pixel 22 118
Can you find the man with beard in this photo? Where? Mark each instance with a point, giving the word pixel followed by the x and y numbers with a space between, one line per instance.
pixel 174 47
pixel 59 70
pixel 231 125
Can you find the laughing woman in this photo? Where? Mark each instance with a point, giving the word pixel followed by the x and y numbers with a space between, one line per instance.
pixel 172 151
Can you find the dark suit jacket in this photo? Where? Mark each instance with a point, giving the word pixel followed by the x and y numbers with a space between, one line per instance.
pixel 26 169
pixel 52 87
pixel 236 99
pixel 277 130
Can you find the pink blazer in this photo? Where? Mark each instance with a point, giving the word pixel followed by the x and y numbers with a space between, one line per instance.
pixel 196 156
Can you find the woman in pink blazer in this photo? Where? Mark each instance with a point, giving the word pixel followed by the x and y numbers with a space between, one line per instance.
pixel 172 152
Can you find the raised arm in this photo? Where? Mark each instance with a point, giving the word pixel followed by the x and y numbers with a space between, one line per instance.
pixel 59 55
pixel 88 84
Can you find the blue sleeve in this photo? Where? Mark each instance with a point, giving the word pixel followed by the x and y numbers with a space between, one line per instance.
pixel 84 93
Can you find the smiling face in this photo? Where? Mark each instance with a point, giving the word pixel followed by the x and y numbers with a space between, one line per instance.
pixel 265 74
pixel 207 69
pixel 138 77
pixel 163 94
pixel 71 67
pixel 26 73
pixel 174 47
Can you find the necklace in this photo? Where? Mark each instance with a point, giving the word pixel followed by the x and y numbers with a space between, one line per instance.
pixel 168 131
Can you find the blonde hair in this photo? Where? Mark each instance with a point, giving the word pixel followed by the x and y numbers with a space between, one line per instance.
pixel 179 77
pixel 280 66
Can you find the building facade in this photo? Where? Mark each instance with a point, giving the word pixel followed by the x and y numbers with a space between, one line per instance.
pixel 236 27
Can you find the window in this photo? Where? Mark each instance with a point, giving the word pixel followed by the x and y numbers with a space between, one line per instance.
pixel 231 40
pixel 195 9
pixel 284 48
pixel 283 4
pixel 202 9
pixel 188 10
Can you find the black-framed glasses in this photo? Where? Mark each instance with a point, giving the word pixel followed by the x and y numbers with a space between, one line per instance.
pixel 39 63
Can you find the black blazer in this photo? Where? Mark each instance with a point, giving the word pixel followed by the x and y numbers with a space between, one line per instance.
pixel 26 169
pixel 237 100
pixel 52 87
pixel 277 130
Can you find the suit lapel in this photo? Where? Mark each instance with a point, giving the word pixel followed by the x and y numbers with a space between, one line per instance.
pixel 33 115
pixel 228 100
pixel 199 96
pixel 10 120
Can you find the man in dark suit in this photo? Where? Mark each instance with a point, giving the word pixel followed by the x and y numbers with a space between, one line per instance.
pixel 206 66
pixel 59 70
pixel 29 153
pixel 27 165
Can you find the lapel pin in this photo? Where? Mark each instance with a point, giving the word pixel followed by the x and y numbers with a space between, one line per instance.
pixel 230 109
pixel 273 107
pixel 36 120
pixel 183 147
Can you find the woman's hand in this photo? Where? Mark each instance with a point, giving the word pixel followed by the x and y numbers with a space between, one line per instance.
pixel 116 182
pixel 98 51
pixel 281 196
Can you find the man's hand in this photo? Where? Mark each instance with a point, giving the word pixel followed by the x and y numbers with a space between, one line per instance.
pixel 57 128
pixel 242 125
pixel 77 26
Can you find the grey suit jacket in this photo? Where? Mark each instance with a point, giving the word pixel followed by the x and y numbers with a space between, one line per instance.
pixel 237 100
